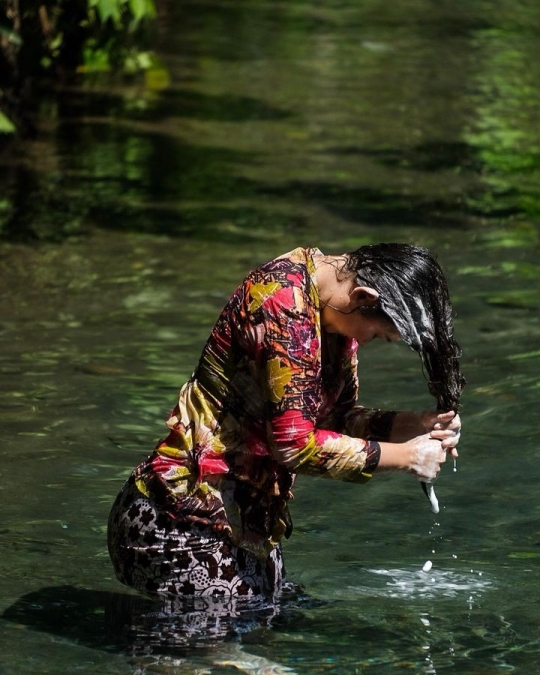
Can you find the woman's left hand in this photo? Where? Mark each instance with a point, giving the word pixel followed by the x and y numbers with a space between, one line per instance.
pixel 442 426
pixel 446 427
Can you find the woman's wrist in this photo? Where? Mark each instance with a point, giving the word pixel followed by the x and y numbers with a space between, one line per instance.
pixel 411 423
pixel 394 457
pixel 373 456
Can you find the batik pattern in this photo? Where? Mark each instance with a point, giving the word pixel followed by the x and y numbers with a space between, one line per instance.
pixel 156 554
pixel 262 405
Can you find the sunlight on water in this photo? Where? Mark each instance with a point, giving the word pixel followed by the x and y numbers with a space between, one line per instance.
pixel 123 229
pixel 432 584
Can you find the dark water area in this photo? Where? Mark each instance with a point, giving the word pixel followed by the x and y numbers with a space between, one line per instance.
pixel 124 226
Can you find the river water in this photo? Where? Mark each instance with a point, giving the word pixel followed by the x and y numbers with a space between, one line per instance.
pixel 128 221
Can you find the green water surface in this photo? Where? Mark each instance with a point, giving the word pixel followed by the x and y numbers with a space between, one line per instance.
pixel 134 213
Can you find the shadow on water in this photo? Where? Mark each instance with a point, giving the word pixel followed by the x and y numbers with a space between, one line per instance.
pixel 117 181
pixel 152 183
pixel 41 212
pixel 429 156
pixel 375 207
pixel 239 225
pixel 170 103
pixel 135 624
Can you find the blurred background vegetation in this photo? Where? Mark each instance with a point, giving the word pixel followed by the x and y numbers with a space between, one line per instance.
pixel 183 117
pixel 44 40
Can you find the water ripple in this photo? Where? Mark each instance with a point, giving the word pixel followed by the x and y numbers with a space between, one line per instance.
pixel 416 584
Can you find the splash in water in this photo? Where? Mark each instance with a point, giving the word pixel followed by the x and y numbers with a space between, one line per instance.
pixel 424 583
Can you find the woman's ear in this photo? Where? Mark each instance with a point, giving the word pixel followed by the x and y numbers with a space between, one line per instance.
pixel 364 295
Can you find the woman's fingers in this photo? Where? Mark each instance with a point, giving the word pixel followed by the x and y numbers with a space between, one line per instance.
pixel 450 420
pixel 445 417
pixel 448 432
pixel 432 449
pixel 449 440
pixel 441 434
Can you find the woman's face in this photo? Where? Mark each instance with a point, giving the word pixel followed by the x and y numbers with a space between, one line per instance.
pixel 362 325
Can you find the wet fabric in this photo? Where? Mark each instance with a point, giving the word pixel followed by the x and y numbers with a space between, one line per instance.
pixel 272 396
pixel 156 554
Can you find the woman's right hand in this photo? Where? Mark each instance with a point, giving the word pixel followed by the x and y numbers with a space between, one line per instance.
pixel 426 456
pixel 422 456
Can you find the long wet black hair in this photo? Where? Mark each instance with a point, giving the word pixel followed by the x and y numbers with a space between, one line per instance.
pixel 413 294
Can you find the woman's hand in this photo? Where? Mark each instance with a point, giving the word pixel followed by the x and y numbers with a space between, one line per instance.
pixel 426 457
pixel 422 456
pixel 445 427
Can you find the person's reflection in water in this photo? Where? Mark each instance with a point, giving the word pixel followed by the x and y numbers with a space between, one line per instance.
pixel 191 621
pixel 160 632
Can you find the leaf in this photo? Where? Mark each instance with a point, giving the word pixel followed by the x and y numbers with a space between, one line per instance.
pixel 6 125
pixel 142 9
pixel 157 78
pixel 10 36
pixel 108 9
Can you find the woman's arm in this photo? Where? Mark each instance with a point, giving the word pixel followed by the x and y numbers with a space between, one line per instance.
pixel 421 456
pixel 292 380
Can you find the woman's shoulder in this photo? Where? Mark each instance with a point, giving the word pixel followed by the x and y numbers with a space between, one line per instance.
pixel 283 285
pixel 292 266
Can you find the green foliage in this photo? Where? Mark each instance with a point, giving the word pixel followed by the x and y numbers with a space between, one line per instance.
pixel 6 125
pixel 66 36
pixel 9 34
pixel 116 10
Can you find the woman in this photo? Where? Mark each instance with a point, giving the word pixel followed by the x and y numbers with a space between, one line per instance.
pixel 274 394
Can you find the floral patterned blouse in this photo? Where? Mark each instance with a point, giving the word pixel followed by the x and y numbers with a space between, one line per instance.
pixel 272 396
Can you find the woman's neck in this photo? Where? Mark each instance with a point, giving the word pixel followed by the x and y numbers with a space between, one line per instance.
pixel 332 284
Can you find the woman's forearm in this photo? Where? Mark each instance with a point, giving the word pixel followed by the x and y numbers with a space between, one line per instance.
pixel 408 424
pixel 394 457
pixel 421 456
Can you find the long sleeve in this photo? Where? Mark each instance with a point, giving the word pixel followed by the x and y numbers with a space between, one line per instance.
pixel 293 384
pixel 258 408
pixel 370 423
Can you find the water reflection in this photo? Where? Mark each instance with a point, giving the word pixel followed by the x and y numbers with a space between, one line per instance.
pixel 174 637
pixel 159 632
pixel 407 117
